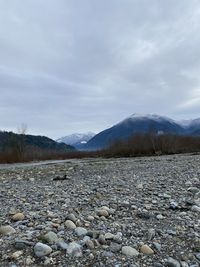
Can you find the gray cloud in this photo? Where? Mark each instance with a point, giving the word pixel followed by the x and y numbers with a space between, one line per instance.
pixel 72 65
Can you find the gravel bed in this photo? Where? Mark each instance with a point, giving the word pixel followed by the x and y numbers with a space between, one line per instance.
pixel 102 212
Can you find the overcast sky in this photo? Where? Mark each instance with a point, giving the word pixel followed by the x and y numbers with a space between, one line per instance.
pixel 82 65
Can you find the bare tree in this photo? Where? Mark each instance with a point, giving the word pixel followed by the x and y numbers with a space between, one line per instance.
pixel 18 143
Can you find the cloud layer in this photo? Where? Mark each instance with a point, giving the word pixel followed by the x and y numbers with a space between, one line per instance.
pixel 71 65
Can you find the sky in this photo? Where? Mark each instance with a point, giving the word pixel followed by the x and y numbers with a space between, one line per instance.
pixel 75 66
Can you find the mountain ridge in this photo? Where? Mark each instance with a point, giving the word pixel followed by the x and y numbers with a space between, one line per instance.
pixel 142 123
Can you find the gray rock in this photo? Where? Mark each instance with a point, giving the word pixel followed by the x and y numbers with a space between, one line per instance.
pixel 197 255
pixel 74 249
pixel 72 217
pixel 21 244
pixel 51 237
pixel 115 247
pixel 196 208
pixel 7 230
pixel 172 263
pixel 42 250
pixel 80 231
pixel 62 245
pixel 129 251
pixel 151 233
pixel 70 225
pixel 157 246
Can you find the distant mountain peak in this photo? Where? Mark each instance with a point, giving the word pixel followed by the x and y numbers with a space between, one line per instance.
pixel 76 139
pixel 151 116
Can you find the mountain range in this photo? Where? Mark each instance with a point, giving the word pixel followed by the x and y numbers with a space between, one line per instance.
pixel 139 123
pixel 77 140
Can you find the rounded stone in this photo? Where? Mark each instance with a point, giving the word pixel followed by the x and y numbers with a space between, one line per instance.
pixel 72 217
pixel 90 218
pixel 103 213
pixel 74 249
pixel 70 225
pixel 7 230
pixel 18 217
pixel 80 231
pixel 42 250
pixel 172 263
pixel 129 251
pixel 51 237
pixel 145 249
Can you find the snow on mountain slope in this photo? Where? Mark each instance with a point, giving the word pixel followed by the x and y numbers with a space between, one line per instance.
pixel 76 138
pixel 136 123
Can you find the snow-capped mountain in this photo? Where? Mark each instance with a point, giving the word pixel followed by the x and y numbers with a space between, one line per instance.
pixel 136 123
pixel 76 139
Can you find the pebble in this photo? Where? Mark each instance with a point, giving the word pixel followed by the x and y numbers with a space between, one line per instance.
pixel 145 249
pixel 118 228
pixel 51 237
pixel 70 225
pixel 103 213
pixel 61 244
pixel 18 217
pixel 129 251
pixel 17 254
pixel 74 249
pixel 89 244
pixel 172 263
pixel 160 217
pixel 42 250
pixel 72 217
pixel 109 236
pixel 196 208
pixel 80 231
pixel 7 230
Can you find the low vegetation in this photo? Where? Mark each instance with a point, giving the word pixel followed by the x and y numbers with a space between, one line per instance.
pixel 151 144
pixel 137 145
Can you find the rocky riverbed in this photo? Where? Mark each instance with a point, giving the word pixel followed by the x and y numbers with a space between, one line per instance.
pixel 118 212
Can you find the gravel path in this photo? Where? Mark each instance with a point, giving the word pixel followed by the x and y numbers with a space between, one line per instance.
pixel 117 212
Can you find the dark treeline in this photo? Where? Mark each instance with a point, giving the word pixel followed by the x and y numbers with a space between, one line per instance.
pixel 137 145
pixel 151 144
pixel 21 147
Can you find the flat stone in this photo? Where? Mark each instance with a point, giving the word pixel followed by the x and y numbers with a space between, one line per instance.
pixel 129 251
